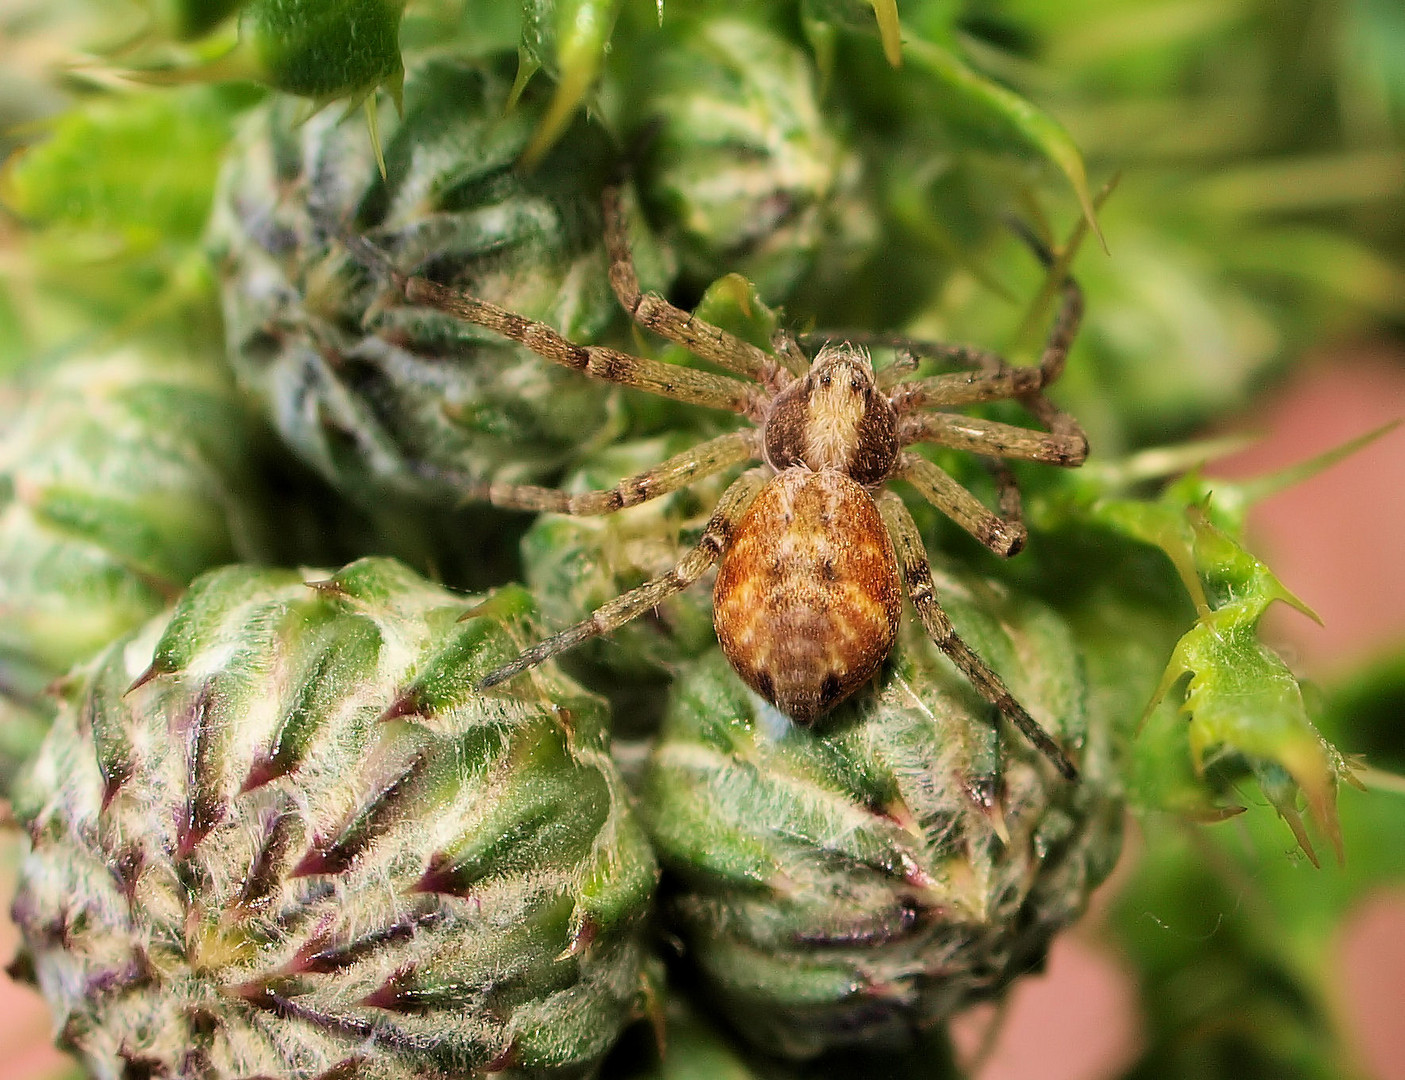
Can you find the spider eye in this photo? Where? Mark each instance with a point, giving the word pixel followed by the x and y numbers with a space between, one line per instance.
pixel 856 384
pixel 826 379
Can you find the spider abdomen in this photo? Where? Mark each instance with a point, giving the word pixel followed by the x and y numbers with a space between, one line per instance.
pixel 807 602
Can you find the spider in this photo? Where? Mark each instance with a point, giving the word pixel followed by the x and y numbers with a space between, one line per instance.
pixel 815 553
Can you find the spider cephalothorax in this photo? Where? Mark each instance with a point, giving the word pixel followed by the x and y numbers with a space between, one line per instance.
pixel 814 554
pixel 834 418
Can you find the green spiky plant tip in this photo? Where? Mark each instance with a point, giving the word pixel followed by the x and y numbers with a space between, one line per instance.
pixel 280 833
pixel 861 882
pixel 571 39
pixel 1225 708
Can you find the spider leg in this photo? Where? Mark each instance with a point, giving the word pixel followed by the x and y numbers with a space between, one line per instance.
pixel 599 362
pixel 788 349
pixel 967 356
pixel 677 472
pixel 1002 533
pixel 998 378
pixel 1067 447
pixel 917 579
pixel 965 388
pixel 653 312
pixel 634 603
pixel 609 365
pixel 1052 357
pixel 905 364
pixel 1007 491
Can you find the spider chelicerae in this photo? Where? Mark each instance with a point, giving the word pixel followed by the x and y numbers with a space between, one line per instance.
pixel 815 554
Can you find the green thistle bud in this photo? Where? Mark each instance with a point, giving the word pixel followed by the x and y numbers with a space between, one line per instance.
pixel 745 163
pixel 122 476
pixel 324 49
pixel 186 20
pixel 282 834
pixel 387 398
pixel 863 880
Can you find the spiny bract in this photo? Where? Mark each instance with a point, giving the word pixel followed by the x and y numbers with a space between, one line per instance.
pixel 301 844
pixel 865 880
pixel 393 399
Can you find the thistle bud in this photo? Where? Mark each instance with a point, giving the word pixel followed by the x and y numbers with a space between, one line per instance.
pixel 744 163
pixel 865 879
pixel 281 834
pixel 384 397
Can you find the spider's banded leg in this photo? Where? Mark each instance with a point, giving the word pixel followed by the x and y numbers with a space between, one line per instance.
pixel 965 388
pixel 1007 492
pixel 634 603
pixel 1070 313
pixel 993 438
pixel 1052 357
pixel 653 312
pixel 609 365
pixel 1053 418
pixel 1062 332
pixel 677 472
pixel 1001 534
pixel 917 579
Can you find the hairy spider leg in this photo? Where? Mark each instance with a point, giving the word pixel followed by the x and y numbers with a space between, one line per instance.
pixel 917 580
pixel 994 439
pixel 685 468
pixel 1004 535
pixel 636 602
pixel 965 388
pixel 1007 493
pixel 784 344
pixel 597 361
pixel 653 312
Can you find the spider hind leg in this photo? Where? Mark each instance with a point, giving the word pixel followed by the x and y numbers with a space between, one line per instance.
pixel 636 602
pixel 917 579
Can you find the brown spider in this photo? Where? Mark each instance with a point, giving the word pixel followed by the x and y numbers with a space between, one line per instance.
pixel 807 602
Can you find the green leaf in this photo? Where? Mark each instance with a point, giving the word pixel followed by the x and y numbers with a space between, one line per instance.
pixel 569 38
pixel 990 116
pixel 879 17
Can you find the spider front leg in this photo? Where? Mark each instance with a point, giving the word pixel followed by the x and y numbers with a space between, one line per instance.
pixel 1052 357
pixel 917 580
pixel 609 365
pixel 636 602
pixel 994 439
pixel 679 471
pixel 653 312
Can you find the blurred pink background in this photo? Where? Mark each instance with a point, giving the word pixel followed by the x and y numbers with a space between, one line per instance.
pixel 1335 540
